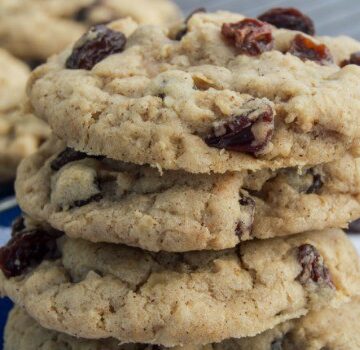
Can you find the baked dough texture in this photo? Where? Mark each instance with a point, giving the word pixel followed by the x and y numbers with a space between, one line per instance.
pixel 160 100
pixel 103 200
pixel 102 290
pixel 331 328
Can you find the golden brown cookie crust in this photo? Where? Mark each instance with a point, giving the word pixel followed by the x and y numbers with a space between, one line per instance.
pixel 329 327
pixel 102 200
pixel 101 290
pixel 166 96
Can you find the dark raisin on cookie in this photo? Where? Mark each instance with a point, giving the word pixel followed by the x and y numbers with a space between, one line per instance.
pixel 18 225
pixel 94 198
pixel 306 49
pixel 183 31
pixel 27 248
pixel 316 185
pixel 289 18
pixel 94 46
pixel 249 36
pixel 313 268
pixel 246 201
pixel 354 59
pixel 69 155
pixel 248 212
pixel 249 133
pixel 80 203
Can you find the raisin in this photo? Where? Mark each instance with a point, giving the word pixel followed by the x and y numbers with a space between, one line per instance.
pixel 313 268
pixel 69 155
pixel 249 36
pixel 354 59
pixel 80 203
pixel 183 31
pixel 94 46
pixel 28 248
pixel 306 49
pixel 248 212
pixel 246 201
pixel 18 225
pixel 316 185
pixel 249 133
pixel 289 18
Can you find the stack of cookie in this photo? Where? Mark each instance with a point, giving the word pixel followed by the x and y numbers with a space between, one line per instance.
pixel 33 30
pixel 22 34
pixel 193 191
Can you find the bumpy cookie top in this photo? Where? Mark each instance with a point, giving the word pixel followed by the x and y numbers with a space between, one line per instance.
pixel 103 200
pixel 102 290
pixel 22 22
pixel 328 327
pixel 225 93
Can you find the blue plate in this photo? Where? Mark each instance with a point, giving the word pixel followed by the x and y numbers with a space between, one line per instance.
pixel 5 306
pixel 6 218
pixel 6 190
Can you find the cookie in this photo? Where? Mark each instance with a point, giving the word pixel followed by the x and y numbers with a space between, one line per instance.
pixel 22 23
pixel 102 290
pixel 13 77
pixel 175 211
pixel 20 132
pixel 203 101
pixel 326 328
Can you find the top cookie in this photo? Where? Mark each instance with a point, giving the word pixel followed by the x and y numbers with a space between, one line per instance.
pixel 211 97
pixel 22 22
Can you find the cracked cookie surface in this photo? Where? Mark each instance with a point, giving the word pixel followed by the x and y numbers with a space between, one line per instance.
pixel 326 328
pixel 101 290
pixel 200 105
pixel 22 22
pixel 103 200
pixel 20 132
